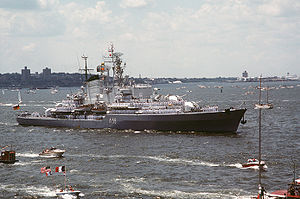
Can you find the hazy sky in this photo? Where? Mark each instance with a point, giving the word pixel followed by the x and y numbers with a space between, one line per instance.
pixel 159 38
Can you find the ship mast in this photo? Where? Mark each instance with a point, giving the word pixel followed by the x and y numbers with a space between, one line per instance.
pixel 86 69
pixel 259 141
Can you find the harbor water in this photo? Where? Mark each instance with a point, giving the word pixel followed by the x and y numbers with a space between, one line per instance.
pixel 108 163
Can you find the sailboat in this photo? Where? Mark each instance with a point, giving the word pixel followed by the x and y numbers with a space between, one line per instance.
pixel 17 106
pixel 267 105
pixel 270 106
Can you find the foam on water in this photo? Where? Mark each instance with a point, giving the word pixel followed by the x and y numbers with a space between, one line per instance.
pixel 181 161
pixel 129 188
pixel 8 124
pixel 27 155
pixel 159 159
pixel 32 190
pixel 1 104
pixel 20 163
pixel 237 165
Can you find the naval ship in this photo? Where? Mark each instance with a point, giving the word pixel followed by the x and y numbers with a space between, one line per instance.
pixel 110 100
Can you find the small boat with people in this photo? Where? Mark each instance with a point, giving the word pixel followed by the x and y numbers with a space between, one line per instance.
pixel 69 192
pixel 8 156
pixel 254 163
pixel 52 153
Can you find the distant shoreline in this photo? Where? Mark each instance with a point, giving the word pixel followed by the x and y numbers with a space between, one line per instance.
pixel 14 80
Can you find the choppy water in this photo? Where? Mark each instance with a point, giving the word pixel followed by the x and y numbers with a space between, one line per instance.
pixel 137 164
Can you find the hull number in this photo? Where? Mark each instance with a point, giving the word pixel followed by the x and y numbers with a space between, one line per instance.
pixel 112 120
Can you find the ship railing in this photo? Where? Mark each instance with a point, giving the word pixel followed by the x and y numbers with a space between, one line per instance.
pixel 210 109
pixel 164 111
pixel 147 104
pixel 122 111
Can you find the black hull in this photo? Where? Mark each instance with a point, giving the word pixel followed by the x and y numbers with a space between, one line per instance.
pixel 225 121
pixel 8 162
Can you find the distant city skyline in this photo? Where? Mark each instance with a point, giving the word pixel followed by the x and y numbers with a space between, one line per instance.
pixel 170 38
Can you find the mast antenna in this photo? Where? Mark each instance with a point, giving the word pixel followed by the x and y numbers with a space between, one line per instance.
pixel 86 69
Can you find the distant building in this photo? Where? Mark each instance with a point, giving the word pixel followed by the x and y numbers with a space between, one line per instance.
pixel 46 73
pixel 245 74
pixel 25 74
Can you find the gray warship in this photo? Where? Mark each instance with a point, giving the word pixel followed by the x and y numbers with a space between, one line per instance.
pixel 109 100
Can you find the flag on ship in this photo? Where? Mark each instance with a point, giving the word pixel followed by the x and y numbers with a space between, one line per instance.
pixel 16 107
pixel 45 169
pixel 60 169
pixel 48 173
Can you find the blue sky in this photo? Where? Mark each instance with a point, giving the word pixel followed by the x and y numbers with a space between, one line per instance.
pixel 159 38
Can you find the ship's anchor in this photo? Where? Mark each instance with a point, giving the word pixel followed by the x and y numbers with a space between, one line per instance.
pixel 243 120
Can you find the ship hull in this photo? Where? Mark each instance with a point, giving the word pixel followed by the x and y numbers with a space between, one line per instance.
pixel 226 121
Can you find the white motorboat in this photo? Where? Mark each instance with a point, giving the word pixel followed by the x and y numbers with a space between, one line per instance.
pixel 52 153
pixel 69 192
pixel 254 163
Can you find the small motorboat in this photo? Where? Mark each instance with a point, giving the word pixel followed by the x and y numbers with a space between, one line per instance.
pixel 8 156
pixel 68 192
pixel 254 163
pixel 263 106
pixel 52 153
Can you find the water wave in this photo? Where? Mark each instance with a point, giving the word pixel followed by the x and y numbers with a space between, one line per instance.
pixel 31 190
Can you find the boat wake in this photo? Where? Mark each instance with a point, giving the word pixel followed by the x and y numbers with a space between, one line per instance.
pixel 159 159
pixel 28 155
pixel 6 104
pixel 180 161
pixel 236 165
pixel 174 161
pixel 8 124
pixel 130 188
pixel 31 190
